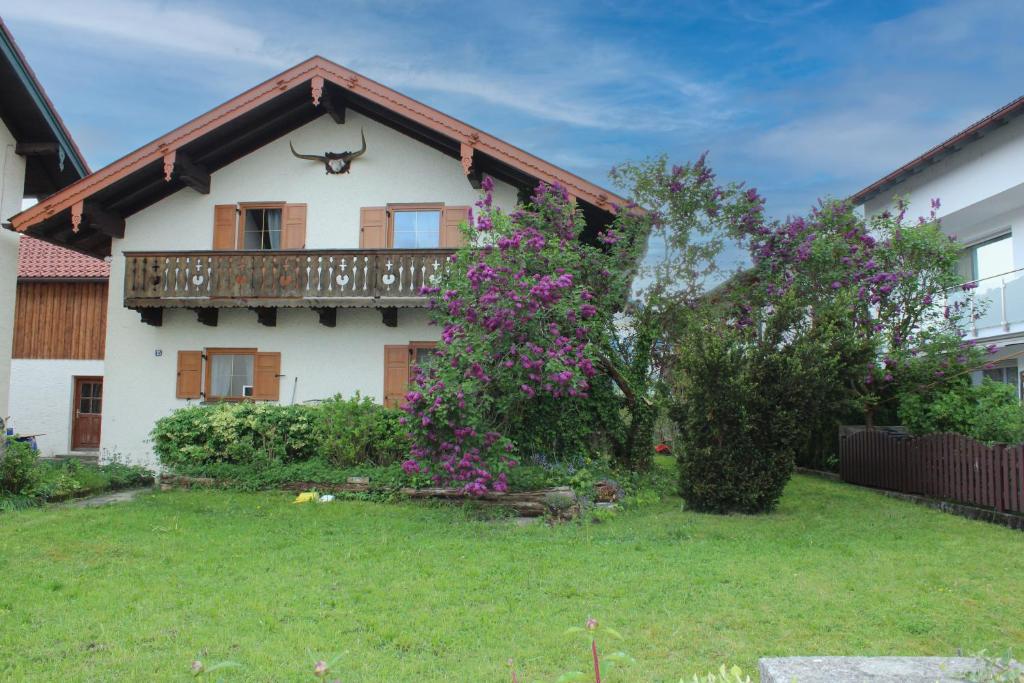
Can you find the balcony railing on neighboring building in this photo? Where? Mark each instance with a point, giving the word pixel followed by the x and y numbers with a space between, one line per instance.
pixel 328 279
pixel 997 303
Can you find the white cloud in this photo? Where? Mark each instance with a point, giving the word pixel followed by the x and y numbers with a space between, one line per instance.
pixel 909 84
pixel 597 101
pixel 177 28
pixel 555 74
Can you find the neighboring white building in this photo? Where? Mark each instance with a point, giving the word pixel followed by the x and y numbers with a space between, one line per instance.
pixel 978 177
pixel 240 271
pixel 37 157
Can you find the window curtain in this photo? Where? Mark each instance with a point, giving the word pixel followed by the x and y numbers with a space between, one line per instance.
pixel 220 374
pixel 273 227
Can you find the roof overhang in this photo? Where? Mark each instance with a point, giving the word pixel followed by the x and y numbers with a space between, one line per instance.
pixel 87 214
pixel 974 132
pixel 52 159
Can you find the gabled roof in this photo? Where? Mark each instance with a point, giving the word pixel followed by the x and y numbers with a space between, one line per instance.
pixel 52 158
pixel 973 132
pixel 38 260
pixel 87 214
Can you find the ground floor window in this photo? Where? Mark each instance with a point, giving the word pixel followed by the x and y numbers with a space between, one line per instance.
pixel 229 374
pixel 400 362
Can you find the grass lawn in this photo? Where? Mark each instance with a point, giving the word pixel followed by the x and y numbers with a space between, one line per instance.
pixel 136 591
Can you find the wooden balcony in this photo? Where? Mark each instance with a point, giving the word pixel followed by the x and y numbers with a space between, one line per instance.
pixel 264 281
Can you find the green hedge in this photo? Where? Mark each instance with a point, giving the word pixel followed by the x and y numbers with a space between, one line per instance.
pixel 339 432
pixel 989 412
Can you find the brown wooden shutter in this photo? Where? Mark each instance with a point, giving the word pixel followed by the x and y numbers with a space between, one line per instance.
pixel 293 234
pixel 451 235
pixel 396 375
pixel 266 377
pixel 225 220
pixel 190 374
pixel 373 227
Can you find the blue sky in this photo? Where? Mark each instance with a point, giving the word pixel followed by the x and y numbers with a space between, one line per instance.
pixel 800 99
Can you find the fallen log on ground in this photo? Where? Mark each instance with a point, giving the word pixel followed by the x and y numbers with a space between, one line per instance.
pixel 560 501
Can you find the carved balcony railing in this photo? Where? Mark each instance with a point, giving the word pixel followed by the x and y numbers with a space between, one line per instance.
pixel 309 278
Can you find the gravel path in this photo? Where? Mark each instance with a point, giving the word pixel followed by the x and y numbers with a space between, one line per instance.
pixel 107 498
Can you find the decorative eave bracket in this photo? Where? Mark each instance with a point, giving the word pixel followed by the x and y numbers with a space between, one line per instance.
pixel 97 218
pixel 332 103
pixel 466 150
pixel 193 175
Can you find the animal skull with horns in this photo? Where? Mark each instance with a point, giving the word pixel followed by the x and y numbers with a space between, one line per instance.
pixel 335 162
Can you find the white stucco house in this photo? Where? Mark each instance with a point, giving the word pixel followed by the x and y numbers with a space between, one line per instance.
pixel 37 158
pixel 240 271
pixel 978 177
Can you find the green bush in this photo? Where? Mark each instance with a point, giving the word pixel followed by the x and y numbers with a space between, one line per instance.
pixel 19 469
pixel 72 478
pixel 338 431
pixel 989 412
pixel 24 480
pixel 358 431
pixel 235 433
pixel 740 406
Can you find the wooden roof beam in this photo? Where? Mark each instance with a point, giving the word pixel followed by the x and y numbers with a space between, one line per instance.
pixel 36 149
pixel 333 102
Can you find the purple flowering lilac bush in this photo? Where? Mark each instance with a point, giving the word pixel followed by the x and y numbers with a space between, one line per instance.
pixel 891 286
pixel 838 317
pixel 523 311
pixel 889 293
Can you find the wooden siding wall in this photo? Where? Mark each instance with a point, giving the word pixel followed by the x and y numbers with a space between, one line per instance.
pixel 60 320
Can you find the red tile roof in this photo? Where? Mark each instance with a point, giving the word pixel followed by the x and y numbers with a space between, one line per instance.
pixel 38 259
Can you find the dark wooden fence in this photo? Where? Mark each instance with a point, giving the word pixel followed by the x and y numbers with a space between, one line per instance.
pixel 946 466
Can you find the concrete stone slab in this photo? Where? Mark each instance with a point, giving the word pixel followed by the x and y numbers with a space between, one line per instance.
pixel 867 669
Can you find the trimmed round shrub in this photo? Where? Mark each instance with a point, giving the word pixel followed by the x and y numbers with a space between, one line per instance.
pixel 738 415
